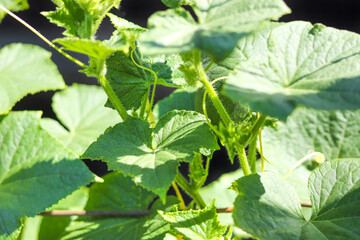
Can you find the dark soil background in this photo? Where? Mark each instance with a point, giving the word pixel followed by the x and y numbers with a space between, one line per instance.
pixel 342 14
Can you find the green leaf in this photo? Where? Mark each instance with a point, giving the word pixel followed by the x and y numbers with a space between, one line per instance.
pixel 180 99
pixel 177 3
pixel 80 108
pixel 25 69
pixel 132 83
pixel 314 66
pixel 334 134
pixel 34 168
pixel 221 24
pixel 268 208
pixel 120 193
pixel 80 18
pixel 152 156
pixel 43 228
pixel 13 5
pixel 196 224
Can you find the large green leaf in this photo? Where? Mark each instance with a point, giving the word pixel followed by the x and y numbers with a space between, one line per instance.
pixel 131 83
pixel 152 156
pixel 25 69
pixel 268 207
pixel 196 224
pixel 81 110
pixel 120 193
pixel 221 24
pixel 34 168
pixel 315 66
pixel 13 5
pixel 80 18
pixel 335 134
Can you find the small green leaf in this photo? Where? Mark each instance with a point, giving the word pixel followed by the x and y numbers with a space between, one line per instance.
pixel 81 110
pixel 221 24
pixel 34 168
pixel 80 18
pixel 334 134
pixel 25 69
pixel 120 193
pixel 152 156
pixel 196 224
pixel 180 99
pixel 177 3
pixel 268 208
pixel 13 5
pixel 314 66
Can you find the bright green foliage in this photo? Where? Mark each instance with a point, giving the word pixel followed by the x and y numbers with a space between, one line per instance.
pixel 180 99
pixel 152 156
pixel 335 134
pixel 119 193
pixel 80 18
pixel 13 5
pixel 81 110
pixel 177 3
pixel 315 66
pixel 25 69
pixel 34 168
pixel 43 228
pixel 334 189
pixel 131 83
pixel 220 25
pixel 196 224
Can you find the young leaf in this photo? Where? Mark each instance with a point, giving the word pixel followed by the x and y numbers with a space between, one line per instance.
pixel 80 18
pixel 196 224
pixel 25 69
pixel 334 134
pixel 13 5
pixel 119 193
pixel 152 156
pixel 268 207
pixel 34 168
pixel 81 110
pixel 315 66
pixel 221 24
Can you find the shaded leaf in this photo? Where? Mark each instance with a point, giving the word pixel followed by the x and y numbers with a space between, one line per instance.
pixel 34 168
pixel 315 66
pixel 25 69
pixel 220 25
pixel 152 156
pixel 81 110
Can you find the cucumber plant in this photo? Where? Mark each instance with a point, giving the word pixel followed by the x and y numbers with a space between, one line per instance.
pixel 289 93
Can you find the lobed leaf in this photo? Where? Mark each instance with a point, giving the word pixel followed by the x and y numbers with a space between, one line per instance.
pixel 25 69
pixel 314 66
pixel 81 110
pixel 268 208
pixel 13 5
pixel 152 156
pixel 34 168
pixel 221 24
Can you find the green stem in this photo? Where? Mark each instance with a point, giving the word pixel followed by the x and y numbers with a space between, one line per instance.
pixel 252 155
pixel 144 105
pixel 184 184
pixel 243 159
pixel 42 37
pixel 113 98
pixel 211 91
pixel 255 129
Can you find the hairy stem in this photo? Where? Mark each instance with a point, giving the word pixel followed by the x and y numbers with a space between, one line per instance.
pixel 252 155
pixel 42 37
pixel 255 129
pixel 184 184
pixel 243 159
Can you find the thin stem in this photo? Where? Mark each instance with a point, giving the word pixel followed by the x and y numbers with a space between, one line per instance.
pixel 155 80
pixel 261 148
pixel 212 93
pixel 102 17
pixel 206 115
pixel 255 129
pixel 184 184
pixel 317 156
pixel 113 98
pixel 42 37
pixel 144 105
pixel 209 65
pixel 243 159
pixel 178 194
pixel 252 155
